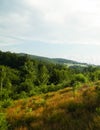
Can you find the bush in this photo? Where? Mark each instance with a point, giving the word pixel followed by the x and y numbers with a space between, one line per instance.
pixel 23 94
pixel 6 103
pixel 80 78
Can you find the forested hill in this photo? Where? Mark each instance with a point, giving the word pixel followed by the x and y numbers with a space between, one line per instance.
pixel 61 61
pixel 5 58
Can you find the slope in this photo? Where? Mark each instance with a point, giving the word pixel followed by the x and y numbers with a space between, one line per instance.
pixel 61 110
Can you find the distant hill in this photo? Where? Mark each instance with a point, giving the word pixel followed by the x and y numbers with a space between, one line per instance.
pixel 61 61
pixel 5 58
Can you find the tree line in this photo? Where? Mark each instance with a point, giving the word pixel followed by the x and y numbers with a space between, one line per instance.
pixel 21 76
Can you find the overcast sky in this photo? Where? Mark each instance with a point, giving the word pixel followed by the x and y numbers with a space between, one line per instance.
pixel 54 28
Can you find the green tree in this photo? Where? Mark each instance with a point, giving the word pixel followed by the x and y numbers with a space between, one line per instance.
pixel 28 77
pixel 76 82
pixel 43 75
pixel 2 77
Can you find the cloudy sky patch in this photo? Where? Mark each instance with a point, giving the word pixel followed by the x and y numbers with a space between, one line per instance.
pixel 35 22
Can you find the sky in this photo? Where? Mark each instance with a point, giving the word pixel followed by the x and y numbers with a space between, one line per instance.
pixel 52 28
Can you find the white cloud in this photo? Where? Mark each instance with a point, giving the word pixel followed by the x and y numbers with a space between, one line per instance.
pixel 70 21
pixel 51 21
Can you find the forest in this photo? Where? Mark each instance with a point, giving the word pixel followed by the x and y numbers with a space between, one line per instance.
pixel 22 78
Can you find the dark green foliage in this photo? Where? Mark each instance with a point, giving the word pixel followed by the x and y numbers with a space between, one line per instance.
pixel 12 60
pixel 6 103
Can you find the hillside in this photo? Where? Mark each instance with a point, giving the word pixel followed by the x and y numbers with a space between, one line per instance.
pixel 61 61
pixel 39 95
pixel 61 110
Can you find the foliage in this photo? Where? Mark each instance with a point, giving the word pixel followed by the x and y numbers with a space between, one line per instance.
pixel 3 122
pixel 26 76
pixel 6 103
pixel 63 96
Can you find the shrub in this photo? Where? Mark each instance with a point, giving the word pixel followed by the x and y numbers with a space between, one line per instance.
pixel 23 94
pixel 6 103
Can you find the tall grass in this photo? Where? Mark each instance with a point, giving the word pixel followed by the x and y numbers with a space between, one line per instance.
pixel 57 111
